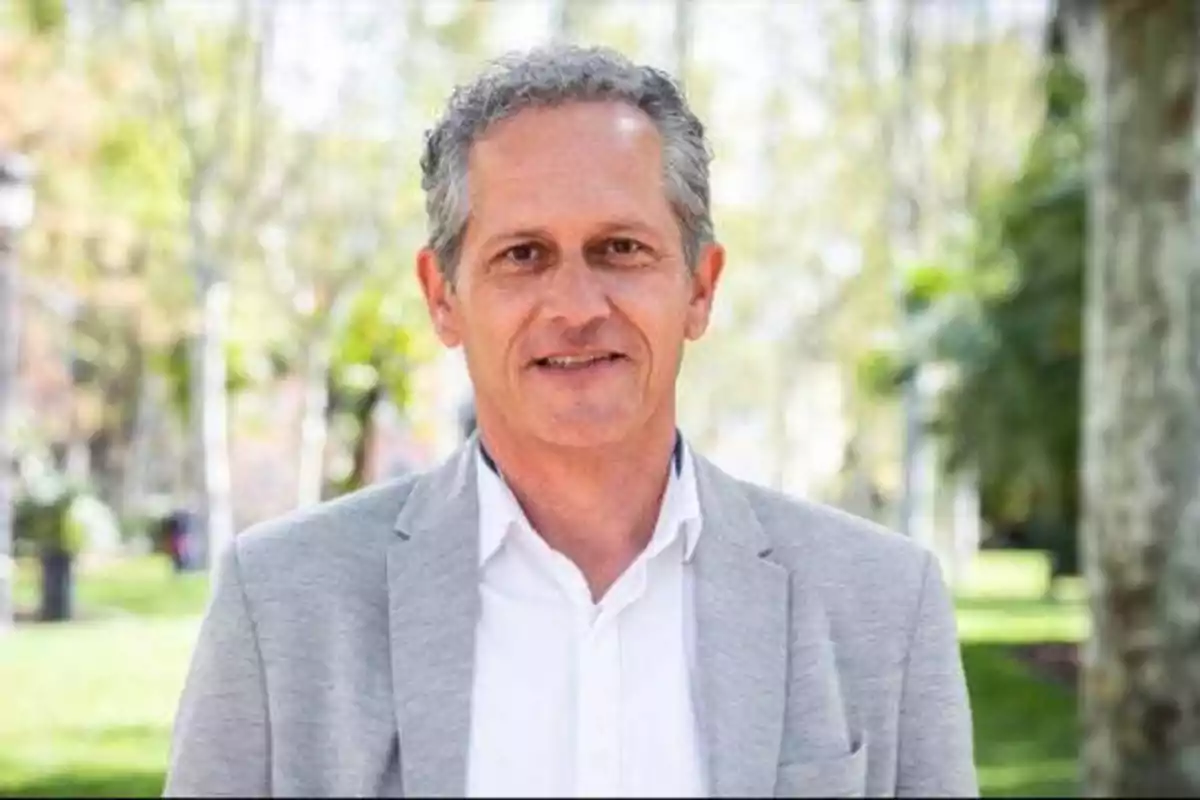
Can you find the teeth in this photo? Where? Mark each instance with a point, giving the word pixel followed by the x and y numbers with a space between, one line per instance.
pixel 574 361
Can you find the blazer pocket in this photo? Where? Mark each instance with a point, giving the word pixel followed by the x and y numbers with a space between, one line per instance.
pixel 845 776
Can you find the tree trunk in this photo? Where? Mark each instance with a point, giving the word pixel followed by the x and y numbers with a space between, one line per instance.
pixel 564 20
pixel 314 425
pixel 138 448
pixel 681 39
pixel 364 414
pixel 780 422
pixel 58 586
pixel 209 415
pixel 918 466
pixel 967 522
pixel 9 328
pixel 1141 476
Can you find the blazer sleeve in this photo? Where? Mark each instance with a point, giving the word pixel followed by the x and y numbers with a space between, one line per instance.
pixel 936 743
pixel 220 743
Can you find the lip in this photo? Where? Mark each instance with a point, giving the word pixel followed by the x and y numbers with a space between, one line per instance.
pixel 596 355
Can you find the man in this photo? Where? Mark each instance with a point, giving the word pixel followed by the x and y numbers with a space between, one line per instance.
pixel 575 603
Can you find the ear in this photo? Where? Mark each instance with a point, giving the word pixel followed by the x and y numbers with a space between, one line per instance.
pixel 439 298
pixel 704 287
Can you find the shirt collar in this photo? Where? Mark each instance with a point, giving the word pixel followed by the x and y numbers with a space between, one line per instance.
pixel 677 456
pixel 679 513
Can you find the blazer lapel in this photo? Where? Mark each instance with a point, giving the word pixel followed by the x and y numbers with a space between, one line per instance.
pixel 433 600
pixel 742 624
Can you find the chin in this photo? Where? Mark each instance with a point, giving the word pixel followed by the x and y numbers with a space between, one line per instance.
pixel 583 430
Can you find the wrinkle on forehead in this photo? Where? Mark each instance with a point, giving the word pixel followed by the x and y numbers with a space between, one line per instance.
pixel 587 159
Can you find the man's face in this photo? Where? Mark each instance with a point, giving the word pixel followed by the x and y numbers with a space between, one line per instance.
pixel 572 298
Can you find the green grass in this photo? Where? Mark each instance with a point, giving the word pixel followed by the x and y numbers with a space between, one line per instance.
pixel 86 707
pixel 1026 730
pixel 144 586
pixel 1026 735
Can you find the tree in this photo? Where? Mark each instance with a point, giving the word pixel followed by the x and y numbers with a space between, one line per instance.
pixel 1002 311
pixel 564 20
pixel 239 167
pixel 331 243
pixel 1141 453
pixel 373 358
pixel 345 224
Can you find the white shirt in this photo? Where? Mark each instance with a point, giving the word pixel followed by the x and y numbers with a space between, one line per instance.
pixel 578 699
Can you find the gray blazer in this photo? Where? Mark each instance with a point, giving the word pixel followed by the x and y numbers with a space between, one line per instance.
pixel 336 654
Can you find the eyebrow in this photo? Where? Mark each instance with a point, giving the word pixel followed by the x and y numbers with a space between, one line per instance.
pixel 513 236
pixel 607 229
pixel 630 225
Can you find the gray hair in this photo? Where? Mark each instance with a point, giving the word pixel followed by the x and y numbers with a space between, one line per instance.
pixel 553 76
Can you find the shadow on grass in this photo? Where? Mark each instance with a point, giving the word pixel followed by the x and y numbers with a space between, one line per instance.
pixel 113 761
pixel 88 783
pixel 1026 729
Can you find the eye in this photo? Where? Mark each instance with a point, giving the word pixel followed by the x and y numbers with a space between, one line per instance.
pixel 524 254
pixel 623 248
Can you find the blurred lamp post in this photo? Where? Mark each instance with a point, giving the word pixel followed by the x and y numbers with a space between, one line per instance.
pixel 16 212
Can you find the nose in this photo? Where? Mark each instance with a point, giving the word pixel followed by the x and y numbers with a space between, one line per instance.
pixel 575 294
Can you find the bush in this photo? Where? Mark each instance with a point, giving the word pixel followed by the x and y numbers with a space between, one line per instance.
pixel 54 514
pixel 50 525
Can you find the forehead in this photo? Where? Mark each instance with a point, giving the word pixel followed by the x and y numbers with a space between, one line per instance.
pixel 581 161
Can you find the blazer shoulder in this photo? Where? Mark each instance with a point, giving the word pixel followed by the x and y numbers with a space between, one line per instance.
pixel 869 580
pixel 821 539
pixel 357 523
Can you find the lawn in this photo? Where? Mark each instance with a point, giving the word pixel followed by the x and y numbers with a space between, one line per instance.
pixel 145 587
pixel 1026 731
pixel 86 707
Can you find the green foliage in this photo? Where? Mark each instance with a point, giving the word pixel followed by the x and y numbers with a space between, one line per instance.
pixel 374 354
pixel 1006 315
pixel 54 513
pixel 925 284
pixel 245 367
pixel 43 17
pixel 138 163
pixel 375 347
pixel 881 371
pixel 1015 411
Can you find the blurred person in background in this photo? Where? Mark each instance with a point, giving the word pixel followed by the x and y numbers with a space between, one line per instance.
pixel 575 602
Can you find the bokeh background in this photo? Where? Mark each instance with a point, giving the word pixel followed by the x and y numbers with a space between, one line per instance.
pixel 209 315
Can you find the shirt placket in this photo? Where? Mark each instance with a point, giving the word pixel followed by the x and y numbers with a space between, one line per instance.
pixel 598 745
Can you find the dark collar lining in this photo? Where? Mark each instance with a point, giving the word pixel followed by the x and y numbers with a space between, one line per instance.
pixel 676 456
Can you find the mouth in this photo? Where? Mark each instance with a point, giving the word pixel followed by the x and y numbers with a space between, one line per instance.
pixel 568 363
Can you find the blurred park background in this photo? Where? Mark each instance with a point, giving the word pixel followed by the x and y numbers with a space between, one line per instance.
pixel 208 316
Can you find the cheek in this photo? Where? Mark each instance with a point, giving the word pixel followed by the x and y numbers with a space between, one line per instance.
pixel 492 322
pixel 660 315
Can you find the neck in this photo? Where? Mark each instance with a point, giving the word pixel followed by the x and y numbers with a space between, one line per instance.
pixel 598 506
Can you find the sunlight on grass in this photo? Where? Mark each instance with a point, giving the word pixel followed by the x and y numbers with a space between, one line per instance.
pixel 1022 621
pixel 1004 598
pixel 1007 574
pixel 145 586
pixel 94 705
pixel 1026 728
pixel 86 707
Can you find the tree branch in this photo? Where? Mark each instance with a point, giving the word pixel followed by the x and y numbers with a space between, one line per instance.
pixel 257 124
pixel 224 135
pixel 255 210
pixel 980 96
pixel 179 94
